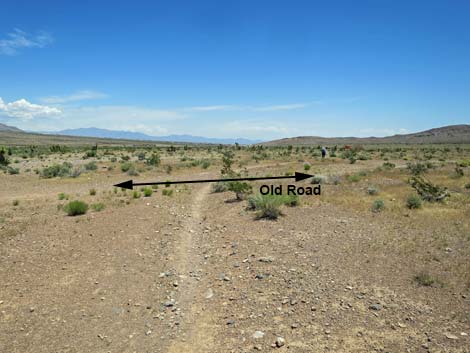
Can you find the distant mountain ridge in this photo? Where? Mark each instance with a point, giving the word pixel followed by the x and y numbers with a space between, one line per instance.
pixel 445 134
pixel 4 127
pixel 129 135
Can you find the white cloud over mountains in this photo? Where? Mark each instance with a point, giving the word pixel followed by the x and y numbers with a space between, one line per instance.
pixel 23 110
pixel 19 39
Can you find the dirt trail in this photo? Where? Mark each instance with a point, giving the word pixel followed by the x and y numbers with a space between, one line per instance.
pixel 196 328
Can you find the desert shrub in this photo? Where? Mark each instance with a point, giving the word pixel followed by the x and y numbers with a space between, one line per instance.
pixel 458 172
pixel 63 196
pixel 467 186
pixel 335 179
pixel 91 166
pixel 363 157
pixel 154 186
pixel 12 170
pixel 372 190
pixel 92 192
pixel 154 160
pixel 319 179
pixel 167 183
pixel 141 156
pixel 388 165
pixel 168 169
pixel 464 163
pixel 219 186
pixel 424 279
pixel 268 206
pixel 307 166
pixel 413 202
pixel 147 192
pixel 99 206
pixel 75 173
pixel 417 168
pixel 167 192
pixel 352 160
pixel 57 170
pixel 427 190
pixel 205 164
pixel 135 194
pixel 16 202
pixel 126 166
pixel 378 206
pixel 75 208
pixel 239 188
pixel 354 178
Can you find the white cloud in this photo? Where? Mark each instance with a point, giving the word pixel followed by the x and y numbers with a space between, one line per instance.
pixel 272 108
pixel 24 110
pixel 77 96
pixel 267 108
pixel 209 108
pixel 19 39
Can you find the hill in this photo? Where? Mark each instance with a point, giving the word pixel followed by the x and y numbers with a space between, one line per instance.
pixel 446 134
pixel 4 127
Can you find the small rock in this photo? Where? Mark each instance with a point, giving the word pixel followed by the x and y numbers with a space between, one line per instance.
pixel 209 293
pixel 280 341
pixel 258 334
pixel 375 307
pixel 451 336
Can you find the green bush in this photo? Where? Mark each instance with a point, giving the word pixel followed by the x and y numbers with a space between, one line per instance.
pixel 136 194
pixel 57 170
pixel 99 206
pixel 91 166
pixel 354 178
pixel 12 170
pixel 413 202
pixel 167 192
pixel 239 188
pixel 307 166
pixel 417 168
pixel 205 164
pixel 424 279
pixel 126 166
pixel 147 192
pixel 75 208
pixel 268 206
pixel 318 179
pixel 154 160
pixel 378 206
pixel 63 196
pixel 219 186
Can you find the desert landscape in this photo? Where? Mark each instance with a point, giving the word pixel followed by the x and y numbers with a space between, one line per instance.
pixel 376 263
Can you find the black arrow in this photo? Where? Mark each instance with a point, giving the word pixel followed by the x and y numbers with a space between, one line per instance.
pixel 129 184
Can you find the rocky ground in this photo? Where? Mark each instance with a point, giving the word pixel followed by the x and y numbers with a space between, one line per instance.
pixel 197 273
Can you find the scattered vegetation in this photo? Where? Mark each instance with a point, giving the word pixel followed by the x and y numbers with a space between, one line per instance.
pixel 167 192
pixel 413 202
pixel 147 192
pixel 99 206
pixel 378 206
pixel 75 208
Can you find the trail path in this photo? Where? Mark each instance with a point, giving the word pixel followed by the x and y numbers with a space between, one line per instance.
pixel 196 328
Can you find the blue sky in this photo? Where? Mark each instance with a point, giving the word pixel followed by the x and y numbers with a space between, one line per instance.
pixel 246 68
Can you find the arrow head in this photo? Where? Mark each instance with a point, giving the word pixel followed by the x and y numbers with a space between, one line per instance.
pixel 126 185
pixel 302 176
